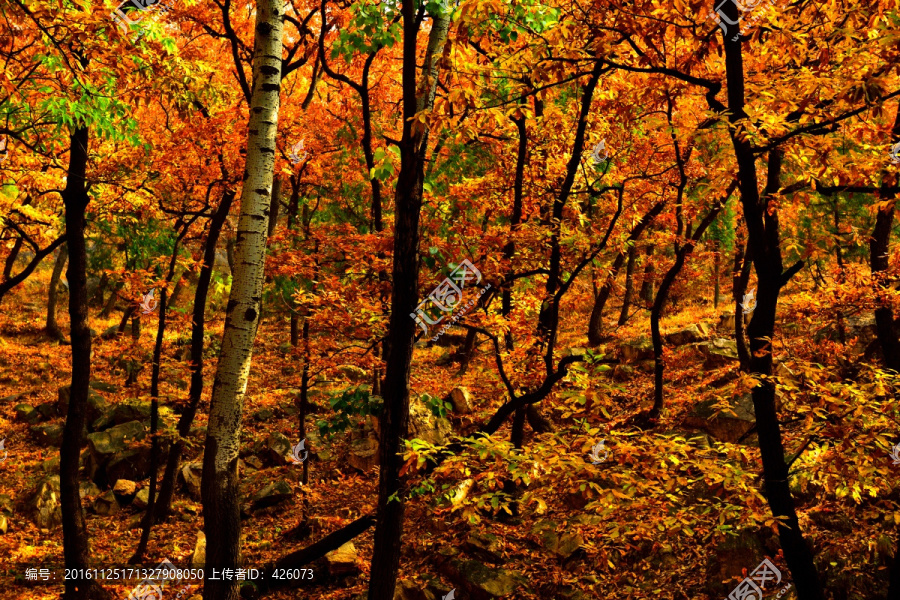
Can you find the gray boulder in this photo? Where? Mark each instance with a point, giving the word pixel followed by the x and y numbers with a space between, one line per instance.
pixel 43 504
pixel 342 562
pixel 272 494
pixel 96 405
pixel 106 504
pixel 461 400
pixel 124 412
pixel 689 335
pixel 636 350
pixel 191 474
pixel 726 426
pixel 25 413
pixel 48 435
pixel 424 425
pixel 718 352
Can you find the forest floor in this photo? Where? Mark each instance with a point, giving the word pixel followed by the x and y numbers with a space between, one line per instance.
pixel 32 369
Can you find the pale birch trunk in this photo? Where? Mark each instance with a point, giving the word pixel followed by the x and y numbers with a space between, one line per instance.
pixel 220 493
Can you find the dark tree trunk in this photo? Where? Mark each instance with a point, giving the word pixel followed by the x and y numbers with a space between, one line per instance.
pixel 52 326
pixel 401 335
pixel 595 326
pixel 629 285
pixel 276 206
pixel 11 259
pixel 101 290
pixel 111 301
pixel 304 396
pixel 763 237
pixel 743 263
pixel 717 270
pixel 879 247
pixel 76 546
pixel 39 255
pixel 664 287
pixel 198 324
pixel 646 294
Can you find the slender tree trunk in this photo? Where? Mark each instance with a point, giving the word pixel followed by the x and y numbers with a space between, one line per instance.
pixel 743 262
pixel 595 329
pixel 646 294
pixel 304 395
pixel 681 255
pixel 763 234
pixel 629 285
pixel 198 324
pixel 111 301
pixel 76 546
pixel 11 259
pixel 11 282
pixel 101 290
pixel 219 488
pixel 52 326
pixel 879 247
pixel 276 206
pixel 717 270
pixel 408 205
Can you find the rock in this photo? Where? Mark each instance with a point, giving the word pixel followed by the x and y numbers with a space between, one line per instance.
pixel 142 499
pixel 562 544
pixel 272 494
pixel 425 426
pixel 104 387
pixel 125 490
pixel 198 559
pixel 354 373
pixel 636 350
pixel 131 464
pixel 48 435
pixel 264 414
pixel 623 372
pixel 409 590
pixel 191 474
pixel 484 547
pixel 278 449
pixel 43 504
pixel 106 504
pixel 47 411
pixel 104 444
pixel 110 332
pixel 724 426
pixel 728 559
pixel 461 400
pixel 88 489
pixel 96 404
pixel 51 465
pixel 480 581
pixel 718 352
pixel 342 562
pixel 688 335
pixel 363 453
pixel 124 412
pixel 726 322
pixel 25 413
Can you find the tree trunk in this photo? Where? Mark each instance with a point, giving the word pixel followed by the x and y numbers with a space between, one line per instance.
pixel 664 287
pixel 198 324
pixel 11 259
pixel 879 247
pixel 763 234
pixel 276 206
pixel 111 301
pixel 219 488
pixel 11 282
pixel 52 326
pixel 595 326
pixel 76 546
pixel 629 285
pixel 743 262
pixel 401 335
pixel 717 269
pixel 646 293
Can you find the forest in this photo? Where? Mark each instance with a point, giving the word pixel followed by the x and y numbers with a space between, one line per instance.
pixel 449 299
